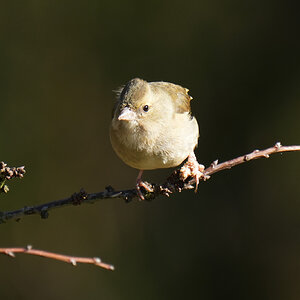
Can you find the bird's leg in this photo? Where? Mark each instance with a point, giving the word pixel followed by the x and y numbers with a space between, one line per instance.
pixel 192 169
pixel 139 184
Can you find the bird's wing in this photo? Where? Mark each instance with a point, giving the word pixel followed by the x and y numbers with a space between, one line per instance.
pixel 178 94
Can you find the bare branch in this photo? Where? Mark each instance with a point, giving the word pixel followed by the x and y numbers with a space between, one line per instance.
pixel 174 183
pixel 66 258
pixel 277 148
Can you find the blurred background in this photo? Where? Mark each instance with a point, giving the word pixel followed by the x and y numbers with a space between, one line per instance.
pixel 239 236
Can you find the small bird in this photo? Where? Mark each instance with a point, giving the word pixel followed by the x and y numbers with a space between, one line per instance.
pixel 152 128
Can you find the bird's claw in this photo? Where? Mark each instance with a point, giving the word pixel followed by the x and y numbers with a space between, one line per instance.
pixel 192 169
pixel 143 184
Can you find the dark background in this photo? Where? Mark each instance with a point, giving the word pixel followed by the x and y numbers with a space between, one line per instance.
pixel 239 236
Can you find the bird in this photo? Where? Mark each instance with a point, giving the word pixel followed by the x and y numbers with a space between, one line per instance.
pixel 152 128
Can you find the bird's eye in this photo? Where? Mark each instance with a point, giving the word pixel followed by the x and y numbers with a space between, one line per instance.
pixel 146 108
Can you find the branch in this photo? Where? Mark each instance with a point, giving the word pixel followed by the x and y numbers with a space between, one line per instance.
pixel 174 183
pixel 66 258
pixel 277 148
pixel 7 173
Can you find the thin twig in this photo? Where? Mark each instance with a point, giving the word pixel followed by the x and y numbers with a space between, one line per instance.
pixel 174 183
pixel 277 148
pixel 8 173
pixel 66 258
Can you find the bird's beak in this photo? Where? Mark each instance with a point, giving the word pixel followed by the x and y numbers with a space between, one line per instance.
pixel 127 114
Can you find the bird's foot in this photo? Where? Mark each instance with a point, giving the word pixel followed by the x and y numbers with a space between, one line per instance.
pixel 143 184
pixel 192 169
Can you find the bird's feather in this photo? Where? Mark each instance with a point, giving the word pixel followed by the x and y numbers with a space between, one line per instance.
pixel 177 93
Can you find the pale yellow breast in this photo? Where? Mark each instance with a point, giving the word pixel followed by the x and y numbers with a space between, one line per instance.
pixel 154 147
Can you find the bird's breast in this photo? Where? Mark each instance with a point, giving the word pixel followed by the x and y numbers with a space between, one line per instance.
pixel 154 147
